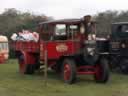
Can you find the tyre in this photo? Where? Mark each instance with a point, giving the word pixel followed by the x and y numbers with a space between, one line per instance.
pixel 68 71
pixel 124 66
pixel 102 71
pixel 23 67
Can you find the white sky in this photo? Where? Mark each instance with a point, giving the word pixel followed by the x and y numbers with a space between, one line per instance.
pixel 64 8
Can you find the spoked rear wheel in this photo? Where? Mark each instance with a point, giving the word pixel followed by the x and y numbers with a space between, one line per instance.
pixel 102 71
pixel 69 71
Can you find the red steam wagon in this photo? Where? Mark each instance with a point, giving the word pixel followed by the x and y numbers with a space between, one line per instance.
pixel 72 49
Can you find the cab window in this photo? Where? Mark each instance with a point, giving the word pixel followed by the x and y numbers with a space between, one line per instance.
pixel 60 32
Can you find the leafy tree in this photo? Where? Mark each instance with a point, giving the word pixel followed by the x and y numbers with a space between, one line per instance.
pixel 105 19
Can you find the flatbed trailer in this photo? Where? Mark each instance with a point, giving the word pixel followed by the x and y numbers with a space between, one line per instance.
pixel 26 46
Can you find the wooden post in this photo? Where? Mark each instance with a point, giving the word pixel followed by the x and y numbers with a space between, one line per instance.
pixel 45 68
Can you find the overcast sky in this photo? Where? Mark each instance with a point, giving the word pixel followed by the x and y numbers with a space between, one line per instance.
pixel 64 8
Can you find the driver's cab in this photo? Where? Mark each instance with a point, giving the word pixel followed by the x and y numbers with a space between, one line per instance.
pixel 67 36
pixel 59 30
pixel 65 32
pixel 68 29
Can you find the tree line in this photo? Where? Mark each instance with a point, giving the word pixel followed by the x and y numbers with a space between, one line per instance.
pixel 12 20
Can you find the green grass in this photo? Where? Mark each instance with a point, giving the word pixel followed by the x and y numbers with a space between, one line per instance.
pixel 14 84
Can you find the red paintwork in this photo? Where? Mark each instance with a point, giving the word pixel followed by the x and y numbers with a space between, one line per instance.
pixel 27 49
pixel 82 70
pixel 30 58
pixel 26 46
pixel 2 59
pixel 86 73
pixel 72 48
pixel 67 72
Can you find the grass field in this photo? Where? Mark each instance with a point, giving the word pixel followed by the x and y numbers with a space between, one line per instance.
pixel 14 84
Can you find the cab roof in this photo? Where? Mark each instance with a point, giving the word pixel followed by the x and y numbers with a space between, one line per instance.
pixel 62 21
pixel 119 23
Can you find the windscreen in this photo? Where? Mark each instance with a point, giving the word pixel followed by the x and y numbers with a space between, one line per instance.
pixel 64 32
pixel 60 29
pixel 120 30
pixel 123 28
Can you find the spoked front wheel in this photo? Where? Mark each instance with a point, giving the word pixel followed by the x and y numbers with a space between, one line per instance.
pixel 69 71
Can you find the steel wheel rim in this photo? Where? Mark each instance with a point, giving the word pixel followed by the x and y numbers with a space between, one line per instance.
pixel 67 72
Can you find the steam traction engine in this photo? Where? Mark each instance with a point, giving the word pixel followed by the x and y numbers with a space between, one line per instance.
pixel 72 49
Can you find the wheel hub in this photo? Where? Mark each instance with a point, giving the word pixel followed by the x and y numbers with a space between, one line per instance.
pixel 67 72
